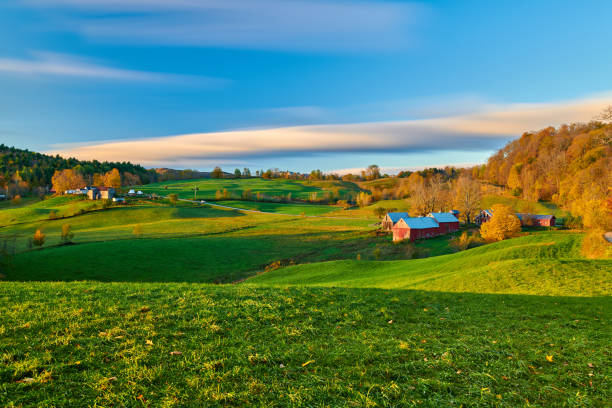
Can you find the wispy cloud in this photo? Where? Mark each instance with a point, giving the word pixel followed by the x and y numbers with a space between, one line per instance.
pixel 54 64
pixel 295 25
pixel 486 129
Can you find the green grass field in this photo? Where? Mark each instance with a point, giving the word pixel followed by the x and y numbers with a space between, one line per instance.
pixel 546 263
pixel 207 188
pixel 131 318
pixel 525 206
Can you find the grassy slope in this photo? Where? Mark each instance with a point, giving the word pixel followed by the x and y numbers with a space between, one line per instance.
pixel 273 187
pixel 295 209
pixel 521 205
pixel 74 344
pixel 544 264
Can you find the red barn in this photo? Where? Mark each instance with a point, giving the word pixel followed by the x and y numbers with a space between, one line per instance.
pixel 447 221
pixel 544 220
pixel 415 228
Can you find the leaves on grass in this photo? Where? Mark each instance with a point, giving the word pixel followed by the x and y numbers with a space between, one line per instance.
pixel 149 343
pixel 145 309
pixel 549 359
pixel 176 353
pixel 308 362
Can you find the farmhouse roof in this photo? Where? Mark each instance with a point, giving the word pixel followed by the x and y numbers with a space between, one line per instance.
pixel 488 212
pixel 543 217
pixel 396 216
pixel 420 222
pixel 444 217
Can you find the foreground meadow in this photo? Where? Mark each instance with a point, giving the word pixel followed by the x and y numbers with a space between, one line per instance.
pixel 129 344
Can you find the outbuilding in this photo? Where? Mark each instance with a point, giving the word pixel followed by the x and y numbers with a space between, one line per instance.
pixel 447 222
pixel 391 219
pixel 413 228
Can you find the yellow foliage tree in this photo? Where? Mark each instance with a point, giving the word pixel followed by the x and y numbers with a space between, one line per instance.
pixel 503 224
pixel 67 179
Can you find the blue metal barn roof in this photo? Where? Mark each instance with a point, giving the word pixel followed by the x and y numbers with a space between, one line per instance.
pixel 421 222
pixel 396 216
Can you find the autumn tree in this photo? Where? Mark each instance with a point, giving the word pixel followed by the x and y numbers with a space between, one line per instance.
pixel 67 234
pixel 363 199
pixel 372 172
pixel 429 196
pixel 502 225
pixel 39 238
pixel 466 197
pixel 217 173
pixel 67 179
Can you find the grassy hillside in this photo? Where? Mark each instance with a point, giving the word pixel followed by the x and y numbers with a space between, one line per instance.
pixel 299 189
pixel 188 345
pixel 295 209
pixel 522 205
pixel 544 264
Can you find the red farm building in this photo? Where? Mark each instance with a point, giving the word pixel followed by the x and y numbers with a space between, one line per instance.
pixel 447 221
pixel 537 220
pixel 413 228
pixel 391 219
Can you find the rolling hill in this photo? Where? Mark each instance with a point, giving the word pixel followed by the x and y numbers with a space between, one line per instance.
pixel 547 263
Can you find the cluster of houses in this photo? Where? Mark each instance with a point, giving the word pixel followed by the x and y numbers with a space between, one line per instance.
pixel 404 226
pixel 97 193
pixel 104 193
pixel 541 220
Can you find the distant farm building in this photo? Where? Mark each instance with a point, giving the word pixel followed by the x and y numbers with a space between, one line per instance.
pixel 447 222
pixel 541 220
pixel 415 228
pixel 537 220
pixel 101 193
pixel 483 216
pixel 118 200
pixel 455 213
pixel 391 219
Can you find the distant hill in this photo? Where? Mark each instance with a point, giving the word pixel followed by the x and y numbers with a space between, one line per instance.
pixel 570 166
pixel 23 171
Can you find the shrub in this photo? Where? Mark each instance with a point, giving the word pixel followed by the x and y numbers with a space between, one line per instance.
pixel 52 215
pixel 572 222
pixel 67 234
pixel 465 241
pixel 173 198
pixel 39 238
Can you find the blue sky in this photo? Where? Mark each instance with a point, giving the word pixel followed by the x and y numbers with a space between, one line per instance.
pixel 330 84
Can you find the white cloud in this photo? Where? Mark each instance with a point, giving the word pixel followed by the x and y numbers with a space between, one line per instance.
pixel 487 129
pixel 316 25
pixel 54 64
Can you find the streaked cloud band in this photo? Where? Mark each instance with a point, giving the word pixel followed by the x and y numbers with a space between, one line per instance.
pixel 487 129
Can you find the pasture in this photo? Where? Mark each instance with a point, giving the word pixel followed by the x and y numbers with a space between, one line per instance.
pixel 279 188
pixel 305 311
pixel 151 344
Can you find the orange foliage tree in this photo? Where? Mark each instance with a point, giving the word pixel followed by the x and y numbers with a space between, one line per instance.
pixel 502 225
pixel 68 179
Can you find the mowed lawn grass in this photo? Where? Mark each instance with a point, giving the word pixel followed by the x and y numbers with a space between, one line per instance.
pixel 544 263
pixel 128 344
pixel 207 188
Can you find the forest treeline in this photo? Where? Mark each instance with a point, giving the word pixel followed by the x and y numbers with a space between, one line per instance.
pixel 570 165
pixel 23 172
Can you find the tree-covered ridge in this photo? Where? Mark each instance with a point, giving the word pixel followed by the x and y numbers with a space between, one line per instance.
pixel 22 170
pixel 570 165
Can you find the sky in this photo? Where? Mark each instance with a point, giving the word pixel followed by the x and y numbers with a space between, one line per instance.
pixel 293 84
